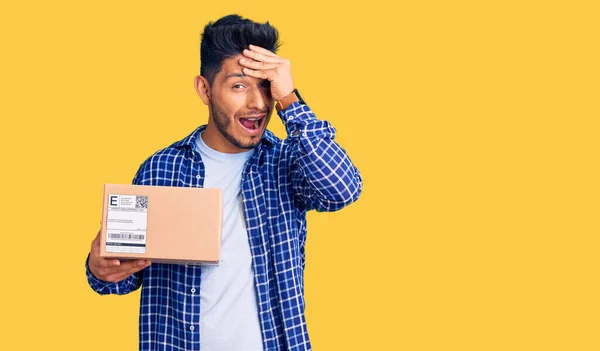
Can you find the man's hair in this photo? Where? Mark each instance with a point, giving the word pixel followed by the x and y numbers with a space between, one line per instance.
pixel 228 37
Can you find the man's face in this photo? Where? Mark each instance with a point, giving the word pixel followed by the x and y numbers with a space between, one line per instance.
pixel 240 106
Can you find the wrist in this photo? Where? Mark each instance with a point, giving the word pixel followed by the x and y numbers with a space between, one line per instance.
pixel 287 100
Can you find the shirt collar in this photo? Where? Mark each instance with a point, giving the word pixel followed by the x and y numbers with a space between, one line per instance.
pixel 190 140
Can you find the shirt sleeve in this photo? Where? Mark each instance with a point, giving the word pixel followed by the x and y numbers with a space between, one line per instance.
pixel 125 286
pixel 323 175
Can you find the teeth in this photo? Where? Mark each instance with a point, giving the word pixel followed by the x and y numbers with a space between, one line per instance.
pixel 256 124
pixel 253 119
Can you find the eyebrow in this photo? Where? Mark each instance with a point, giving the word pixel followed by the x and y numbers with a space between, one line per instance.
pixel 235 75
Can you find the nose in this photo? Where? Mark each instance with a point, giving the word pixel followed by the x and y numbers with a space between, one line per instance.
pixel 256 99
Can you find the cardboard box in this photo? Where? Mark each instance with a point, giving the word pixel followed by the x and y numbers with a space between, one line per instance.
pixel 162 224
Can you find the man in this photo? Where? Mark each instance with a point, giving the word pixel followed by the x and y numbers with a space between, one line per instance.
pixel 254 299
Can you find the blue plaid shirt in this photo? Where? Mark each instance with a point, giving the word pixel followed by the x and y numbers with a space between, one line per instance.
pixel 281 182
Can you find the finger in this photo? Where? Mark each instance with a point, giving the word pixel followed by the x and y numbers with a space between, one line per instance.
pixel 107 263
pixel 262 51
pixel 133 266
pixel 260 57
pixel 257 73
pixel 120 275
pixel 257 64
pixel 115 277
pixel 112 267
pixel 138 268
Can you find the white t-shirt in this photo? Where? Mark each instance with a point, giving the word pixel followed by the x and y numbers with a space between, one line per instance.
pixel 228 306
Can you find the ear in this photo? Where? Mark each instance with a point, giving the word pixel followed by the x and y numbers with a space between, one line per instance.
pixel 202 88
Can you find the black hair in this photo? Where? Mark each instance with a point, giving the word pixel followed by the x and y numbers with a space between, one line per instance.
pixel 228 37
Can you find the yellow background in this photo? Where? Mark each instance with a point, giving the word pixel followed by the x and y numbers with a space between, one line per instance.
pixel 474 124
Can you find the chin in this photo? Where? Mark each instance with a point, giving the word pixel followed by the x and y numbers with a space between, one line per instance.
pixel 244 143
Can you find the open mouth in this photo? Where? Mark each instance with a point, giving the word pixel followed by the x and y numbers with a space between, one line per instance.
pixel 252 124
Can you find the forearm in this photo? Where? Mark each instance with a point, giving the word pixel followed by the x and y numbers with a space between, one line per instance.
pixel 325 176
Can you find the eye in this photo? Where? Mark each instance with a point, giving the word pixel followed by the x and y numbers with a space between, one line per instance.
pixel 238 86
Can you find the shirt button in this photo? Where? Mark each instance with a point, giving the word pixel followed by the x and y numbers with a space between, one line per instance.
pixel 193 290
pixel 198 177
pixel 191 327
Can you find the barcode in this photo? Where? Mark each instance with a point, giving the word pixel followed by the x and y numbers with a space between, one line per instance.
pixel 126 236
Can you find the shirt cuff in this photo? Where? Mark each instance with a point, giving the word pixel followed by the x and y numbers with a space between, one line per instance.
pixel 295 117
